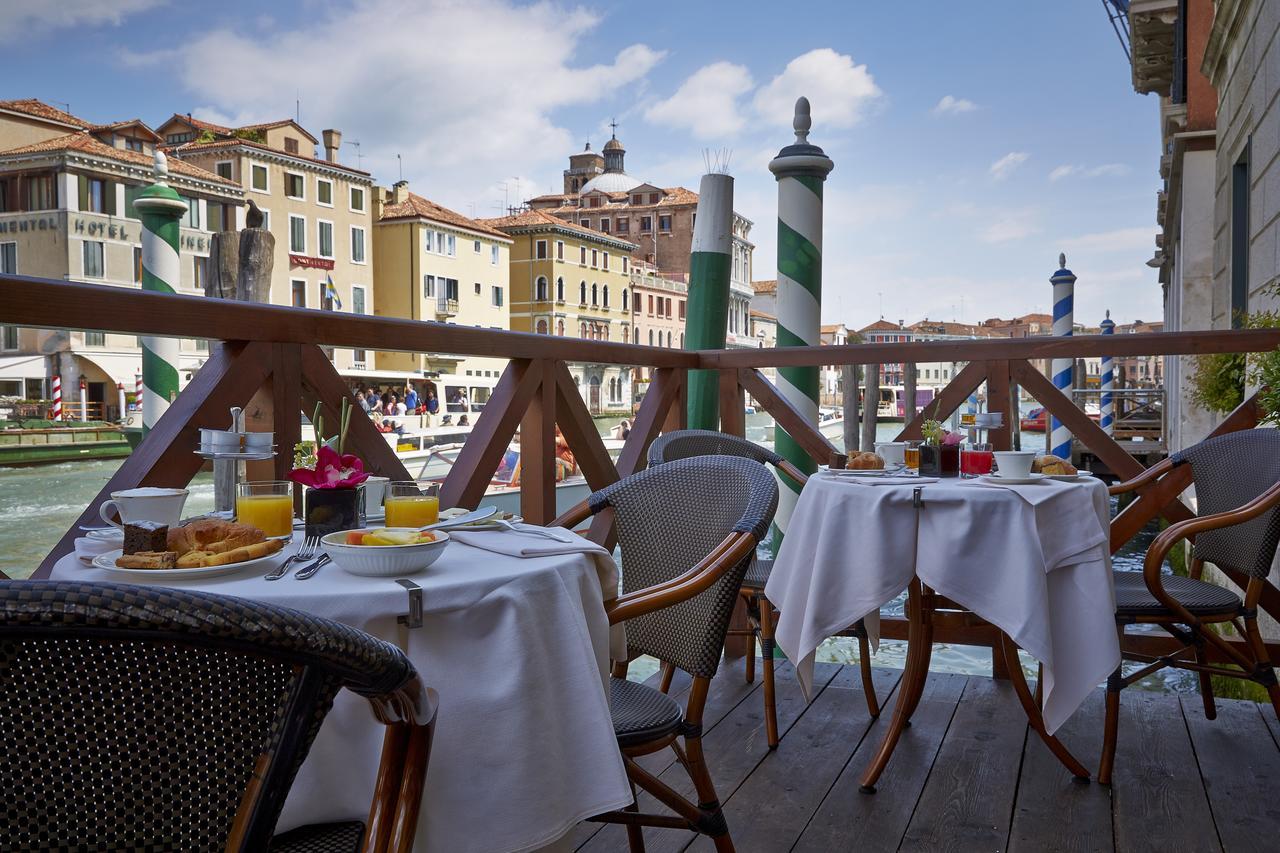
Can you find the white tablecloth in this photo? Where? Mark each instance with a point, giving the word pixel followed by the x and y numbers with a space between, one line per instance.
pixel 1032 560
pixel 519 652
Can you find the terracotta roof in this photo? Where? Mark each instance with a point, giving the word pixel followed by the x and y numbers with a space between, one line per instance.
pixel 220 144
pixel 549 197
pixel 762 314
pixel 674 197
pixel 271 125
pixel 830 327
pixel 536 218
pixel 115 125
pixel 86 144
pixel 39 109
pixel 770 286
pixel 201 124
pixel 882 326
pixel 418 206
pixel 944 327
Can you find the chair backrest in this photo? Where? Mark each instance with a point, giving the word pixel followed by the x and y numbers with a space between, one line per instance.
pixel 686 443
pixel 1229 471
pixel 137 717
pixel 668 519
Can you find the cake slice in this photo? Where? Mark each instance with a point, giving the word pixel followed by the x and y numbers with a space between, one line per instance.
pixel 142 536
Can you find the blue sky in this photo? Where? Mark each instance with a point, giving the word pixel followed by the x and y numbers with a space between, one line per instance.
pixel 951 208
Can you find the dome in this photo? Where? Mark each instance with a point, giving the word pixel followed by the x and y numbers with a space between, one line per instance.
pixel 611 182
pixel 613 145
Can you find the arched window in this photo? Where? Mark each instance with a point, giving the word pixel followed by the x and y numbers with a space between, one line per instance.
pixel 604 295
pixel 637 337
pixel 542 327
pixel 624 298
pixel 668 339
pixel 582 292
pixel 651 337
pixel 595 294
pixel 560 328
pixel 582 331
pixel 560 289
pixel 540 289
pixel 682 340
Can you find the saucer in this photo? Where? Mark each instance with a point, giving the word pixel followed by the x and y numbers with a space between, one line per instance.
pixel 1015 481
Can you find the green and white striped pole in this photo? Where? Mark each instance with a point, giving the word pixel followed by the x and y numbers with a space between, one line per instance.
pixel 707 320
pixel 800 169
pixel 161 210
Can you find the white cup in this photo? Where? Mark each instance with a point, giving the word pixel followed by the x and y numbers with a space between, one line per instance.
pixel 893 452
pixel 1014 463
pixel 375 489
pixel 163 506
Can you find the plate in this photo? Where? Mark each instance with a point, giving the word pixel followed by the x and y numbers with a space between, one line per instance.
pixel 1015 481
pixel 1071 478
pixel 107 562
pixel 869 472
pixel 106 534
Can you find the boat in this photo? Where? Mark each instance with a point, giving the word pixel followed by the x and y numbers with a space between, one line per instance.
pixel 1036 419
pixel 47 445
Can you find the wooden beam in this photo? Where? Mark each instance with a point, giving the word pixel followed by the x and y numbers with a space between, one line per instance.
pixel 580 431
pixel 538 448
pixel 469 477
pixel 286 401
pixel 950 398
pixel 678 415
pixel 166 457
pixel 733 404
pixel 788 417
pixel 998 400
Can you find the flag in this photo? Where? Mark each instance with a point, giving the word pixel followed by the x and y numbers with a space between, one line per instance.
pixel 332 292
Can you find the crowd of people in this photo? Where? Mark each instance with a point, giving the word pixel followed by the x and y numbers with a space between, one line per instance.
pixel 384 405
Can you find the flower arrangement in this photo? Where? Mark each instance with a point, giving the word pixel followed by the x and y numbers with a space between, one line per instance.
pixel 323 464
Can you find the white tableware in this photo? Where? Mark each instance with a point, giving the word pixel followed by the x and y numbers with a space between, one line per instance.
pixel 892 452
pixel 383 560
pixel 375 489
pixel 1016 481
pixel 1015 463
pixel 1070 478
pixel 163 506
pixel 107 562
pixel 491 523
pixel 106 534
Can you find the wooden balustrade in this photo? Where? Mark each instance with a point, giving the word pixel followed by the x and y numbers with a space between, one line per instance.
pixel 272 356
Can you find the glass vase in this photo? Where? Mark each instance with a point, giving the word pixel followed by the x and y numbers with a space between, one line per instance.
pixel 330 510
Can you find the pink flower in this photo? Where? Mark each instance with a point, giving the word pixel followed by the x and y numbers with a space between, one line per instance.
pixel 332 471
pixel 951 438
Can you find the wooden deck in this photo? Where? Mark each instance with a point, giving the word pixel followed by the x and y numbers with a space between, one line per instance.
pixel 968 775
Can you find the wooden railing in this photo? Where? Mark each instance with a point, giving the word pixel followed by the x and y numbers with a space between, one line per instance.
pixel 271 356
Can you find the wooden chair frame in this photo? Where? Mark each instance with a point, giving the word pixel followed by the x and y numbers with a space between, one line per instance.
pixel 1191 630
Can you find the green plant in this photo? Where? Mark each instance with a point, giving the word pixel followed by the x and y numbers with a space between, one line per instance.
pixel 1218 382
pixel 1220 379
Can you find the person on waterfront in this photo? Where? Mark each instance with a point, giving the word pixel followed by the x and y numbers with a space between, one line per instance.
pixel 397 406
pixel 433 405
pixel 411 399
pixel 363 399
pixel 375 403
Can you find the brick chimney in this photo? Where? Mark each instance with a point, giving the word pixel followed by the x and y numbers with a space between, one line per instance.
pixel 332 142
pixel 399 192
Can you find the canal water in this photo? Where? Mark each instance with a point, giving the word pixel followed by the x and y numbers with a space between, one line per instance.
pixel 38 504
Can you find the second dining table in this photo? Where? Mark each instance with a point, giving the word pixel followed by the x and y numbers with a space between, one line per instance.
pixel 1031 559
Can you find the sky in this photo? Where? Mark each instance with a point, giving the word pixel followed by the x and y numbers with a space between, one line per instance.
pixel 972 142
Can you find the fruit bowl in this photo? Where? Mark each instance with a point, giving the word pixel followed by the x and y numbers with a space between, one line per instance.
pixel 383 560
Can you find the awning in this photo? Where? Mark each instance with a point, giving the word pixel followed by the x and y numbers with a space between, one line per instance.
pixel 23 367
pixel 121 368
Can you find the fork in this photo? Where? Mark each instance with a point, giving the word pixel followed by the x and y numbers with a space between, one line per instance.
pixel 307 550
pixel 508 526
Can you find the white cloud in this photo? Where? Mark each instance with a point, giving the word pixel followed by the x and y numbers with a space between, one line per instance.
pixel 454 88
pixel 951 105
pixel 1106 170
pixel 26 18
pixel 839 92
pixel 1139 239
pixel 1004 167
pixel 1014 225
pixel 1063 171
pixel 706 104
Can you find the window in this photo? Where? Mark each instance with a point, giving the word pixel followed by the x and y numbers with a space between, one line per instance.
pixel 595 201
pixel 42 194
pixel 95 339
pixel 223 169
pixel 595 294
pixel 650 304
pixel 585 223
pixel 131 194
pixel 428 287
pixel 604 225
pixel 202 344
pixel 625 294
pixel 357 199
pixel 582 255
pixel 560 290
pixel 97 195
pixel 452 245
pixel 290 145
pixel 132 144
pixel 638 198
pixel 358 305
pixel 179 138
pixel 324 192
pixel 326 238
pixel 450 288
pixel 651 337
pixel 624 225
pixel 497 295
pixel 93 259
pixel 540 250
pixel 137 265
pixel 9 258
pixel 605 265
pixel 191 218
pixel 542 327
pixel 220 216
pixel 299 293
pixel 668 339
pixel 9 340
pixel 266 219
pixel 595 258
pixel 478 288
pixel 653 198
pixel 604 295
pixel 297 234
pixel 493 255
pixel 646 223
pixel 559 250
pixel 258 178
pixel 625 264
pixel 560 328
pixel 540 289
pixel 582 293
pixel 664 223
pixel 198 272
pixel 326 296
pixel 295 185
pixel 357 244
pixel 1240 238
pixel 681 309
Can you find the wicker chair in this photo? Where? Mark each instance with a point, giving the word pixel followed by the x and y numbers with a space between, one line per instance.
pixel 687 531
pixel 1237 483
pixel 696 442
pixel 144 718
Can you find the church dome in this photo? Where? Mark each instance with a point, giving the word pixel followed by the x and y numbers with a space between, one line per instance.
pixel 613 145
pixel 611 182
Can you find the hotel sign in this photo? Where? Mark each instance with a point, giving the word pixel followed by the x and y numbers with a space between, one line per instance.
pixel 36 223
pixel 310 262
pixel 95 228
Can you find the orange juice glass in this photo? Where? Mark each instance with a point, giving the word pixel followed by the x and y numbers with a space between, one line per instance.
pixel 268 506
pixel 409 504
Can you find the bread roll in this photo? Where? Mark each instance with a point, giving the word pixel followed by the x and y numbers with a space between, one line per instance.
pixel 1053 465
pixel 866 461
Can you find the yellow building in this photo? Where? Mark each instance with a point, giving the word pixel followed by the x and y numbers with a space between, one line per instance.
pixel 572 281
pixel 437 265
pixel 318 209
pixel 67 188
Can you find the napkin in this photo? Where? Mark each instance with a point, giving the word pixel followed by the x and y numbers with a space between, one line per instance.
pixel 1033 493
pixel 88 547
pixel 889 481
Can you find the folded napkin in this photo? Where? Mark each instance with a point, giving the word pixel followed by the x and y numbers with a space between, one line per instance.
pixel 88 547
pixel 1035 493
pixel 528 540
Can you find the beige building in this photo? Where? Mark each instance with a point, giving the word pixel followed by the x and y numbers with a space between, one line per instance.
pixel 572 281
pixel 67 189
pixel 658 306
pixel 437 265
pixel 318 209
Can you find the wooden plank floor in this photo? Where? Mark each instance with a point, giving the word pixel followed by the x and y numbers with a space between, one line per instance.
pixel 969 776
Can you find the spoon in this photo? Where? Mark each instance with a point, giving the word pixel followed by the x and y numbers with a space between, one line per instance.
pixel 475 515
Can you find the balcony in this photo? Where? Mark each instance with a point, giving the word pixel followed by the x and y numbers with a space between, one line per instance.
pixel 446 308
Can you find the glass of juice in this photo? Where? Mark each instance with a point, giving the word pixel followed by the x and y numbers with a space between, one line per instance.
pixel 411 504
pixel 268 506
pixel 912 456
pixel 975 460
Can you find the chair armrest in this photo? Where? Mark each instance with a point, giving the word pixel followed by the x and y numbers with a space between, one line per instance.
pixel 793 472
pixel 402 769
pixel 573 516
pixel 1155 472
pixel 734 549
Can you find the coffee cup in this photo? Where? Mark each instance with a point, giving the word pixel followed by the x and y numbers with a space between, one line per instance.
pixel 1015 463
pixel 892 452
pixel 375 490
pixel 149 503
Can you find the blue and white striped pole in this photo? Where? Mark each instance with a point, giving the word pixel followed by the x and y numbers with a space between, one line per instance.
pixel 1108 381
pixel 1064 290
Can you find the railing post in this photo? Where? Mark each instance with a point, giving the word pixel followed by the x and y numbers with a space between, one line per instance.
pixel 870 408
pixel 733 405
pixel 998 401
pixel 538 449
pixel 849 382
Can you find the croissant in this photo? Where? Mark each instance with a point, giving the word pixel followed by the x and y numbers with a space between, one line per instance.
pixel 1053 465
pixel 212 535
pixel 866 460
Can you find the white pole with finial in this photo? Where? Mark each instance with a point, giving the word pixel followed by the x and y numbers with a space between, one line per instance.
pixel 1064 289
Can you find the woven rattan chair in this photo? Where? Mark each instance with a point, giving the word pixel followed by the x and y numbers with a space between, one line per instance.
pixel 687 531
pixel 687 443
pixel 144 718
pixel 1237 482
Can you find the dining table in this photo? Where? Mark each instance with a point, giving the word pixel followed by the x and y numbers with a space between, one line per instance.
pixel 510 629
pixel 1031 559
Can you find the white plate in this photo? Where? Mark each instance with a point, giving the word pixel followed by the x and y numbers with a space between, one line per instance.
pixel 869 472
pixel 1070 478
pixel 107 562
pixel 109 534
pixel 1016 481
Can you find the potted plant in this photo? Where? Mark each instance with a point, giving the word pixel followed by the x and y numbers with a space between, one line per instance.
pixel 331 478
pixel 940 453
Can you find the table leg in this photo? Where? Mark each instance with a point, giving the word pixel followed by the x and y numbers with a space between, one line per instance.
pixel 1032 708
pixel 914 675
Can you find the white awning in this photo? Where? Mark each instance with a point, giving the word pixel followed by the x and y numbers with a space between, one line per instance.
pixel 122 368
pixel 23 367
